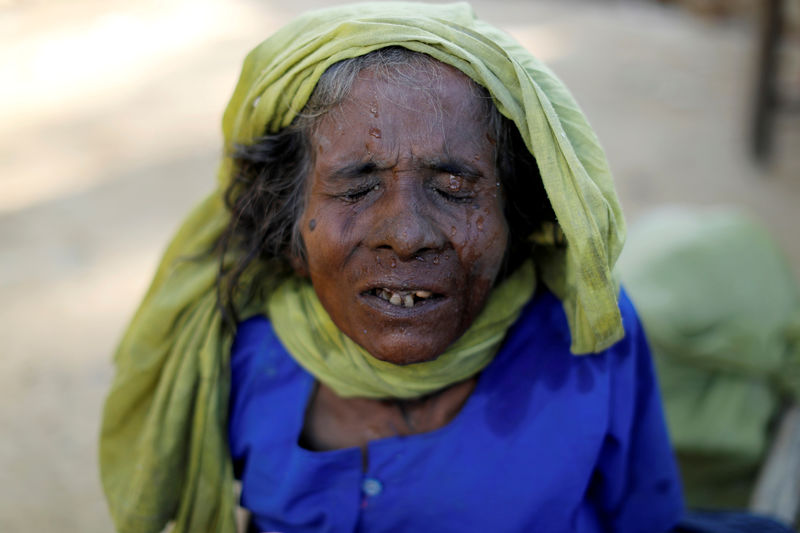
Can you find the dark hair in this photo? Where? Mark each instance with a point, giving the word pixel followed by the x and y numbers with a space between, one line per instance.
pixel 266 196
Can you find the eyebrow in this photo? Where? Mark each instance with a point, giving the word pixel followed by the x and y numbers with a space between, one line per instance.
pixel 448 165
pixel 454 165
pixel 354 170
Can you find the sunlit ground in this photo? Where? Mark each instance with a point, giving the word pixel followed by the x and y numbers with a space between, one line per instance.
pixel 110 133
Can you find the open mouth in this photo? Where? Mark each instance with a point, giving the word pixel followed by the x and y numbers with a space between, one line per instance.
pixel 403 298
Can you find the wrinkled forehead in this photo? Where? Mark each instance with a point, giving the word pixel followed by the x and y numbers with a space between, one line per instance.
pixel 420 92
pixel 431 106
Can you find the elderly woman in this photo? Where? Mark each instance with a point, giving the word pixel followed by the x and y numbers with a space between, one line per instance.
pixel 374 323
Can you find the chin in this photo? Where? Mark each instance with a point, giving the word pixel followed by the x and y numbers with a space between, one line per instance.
pixel 405 359
pixel 402 352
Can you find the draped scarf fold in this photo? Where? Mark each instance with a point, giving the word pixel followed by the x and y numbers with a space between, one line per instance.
pixel 309 334
pixel 163 445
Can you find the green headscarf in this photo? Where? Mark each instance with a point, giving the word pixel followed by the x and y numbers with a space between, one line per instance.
pixel 163 447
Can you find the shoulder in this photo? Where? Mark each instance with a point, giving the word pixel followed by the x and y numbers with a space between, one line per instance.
pixel 537 350
pixel 543 323
pixel 633 350
pixel 630 319
pixel 251 331
pixel 257 353
pixel 252 336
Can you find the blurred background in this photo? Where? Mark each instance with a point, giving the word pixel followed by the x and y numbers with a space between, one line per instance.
pixel 109 133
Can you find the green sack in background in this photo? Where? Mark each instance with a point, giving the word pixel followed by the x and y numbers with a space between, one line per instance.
pixel 722 312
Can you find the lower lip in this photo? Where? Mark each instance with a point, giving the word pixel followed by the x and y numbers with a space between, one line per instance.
pixel 401 311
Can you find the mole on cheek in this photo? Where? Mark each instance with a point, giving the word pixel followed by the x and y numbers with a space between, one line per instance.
pixel 312 224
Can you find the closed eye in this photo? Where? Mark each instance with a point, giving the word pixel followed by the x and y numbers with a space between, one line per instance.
pixel 457 198
pixel 454 187
pixel 353 195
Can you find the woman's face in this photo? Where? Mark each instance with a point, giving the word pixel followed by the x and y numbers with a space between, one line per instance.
pixel 404 227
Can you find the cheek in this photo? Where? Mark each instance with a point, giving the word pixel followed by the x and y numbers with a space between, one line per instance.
pixel 486 253
pixel 312 231
pixel 329 235
pixel 483 242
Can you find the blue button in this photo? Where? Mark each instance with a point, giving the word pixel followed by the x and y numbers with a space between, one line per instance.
pixel 371 487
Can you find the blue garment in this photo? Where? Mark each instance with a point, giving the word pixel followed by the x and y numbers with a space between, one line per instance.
pixel 547 442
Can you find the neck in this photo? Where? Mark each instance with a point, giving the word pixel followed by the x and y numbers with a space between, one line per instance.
pixel 333 422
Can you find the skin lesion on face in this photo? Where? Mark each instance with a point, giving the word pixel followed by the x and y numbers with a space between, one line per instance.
pixel 404 230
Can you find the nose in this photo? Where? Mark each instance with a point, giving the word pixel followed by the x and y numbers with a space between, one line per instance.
pixel 405 226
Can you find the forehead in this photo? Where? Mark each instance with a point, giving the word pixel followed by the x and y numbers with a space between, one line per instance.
pixel 431 104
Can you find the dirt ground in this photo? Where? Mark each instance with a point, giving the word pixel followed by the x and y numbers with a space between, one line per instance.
pixel 110 133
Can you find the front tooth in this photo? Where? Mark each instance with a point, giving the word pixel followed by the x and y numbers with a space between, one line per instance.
pixel 385 294
pixel 396 299
pixel 423 294
pixel 408 300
